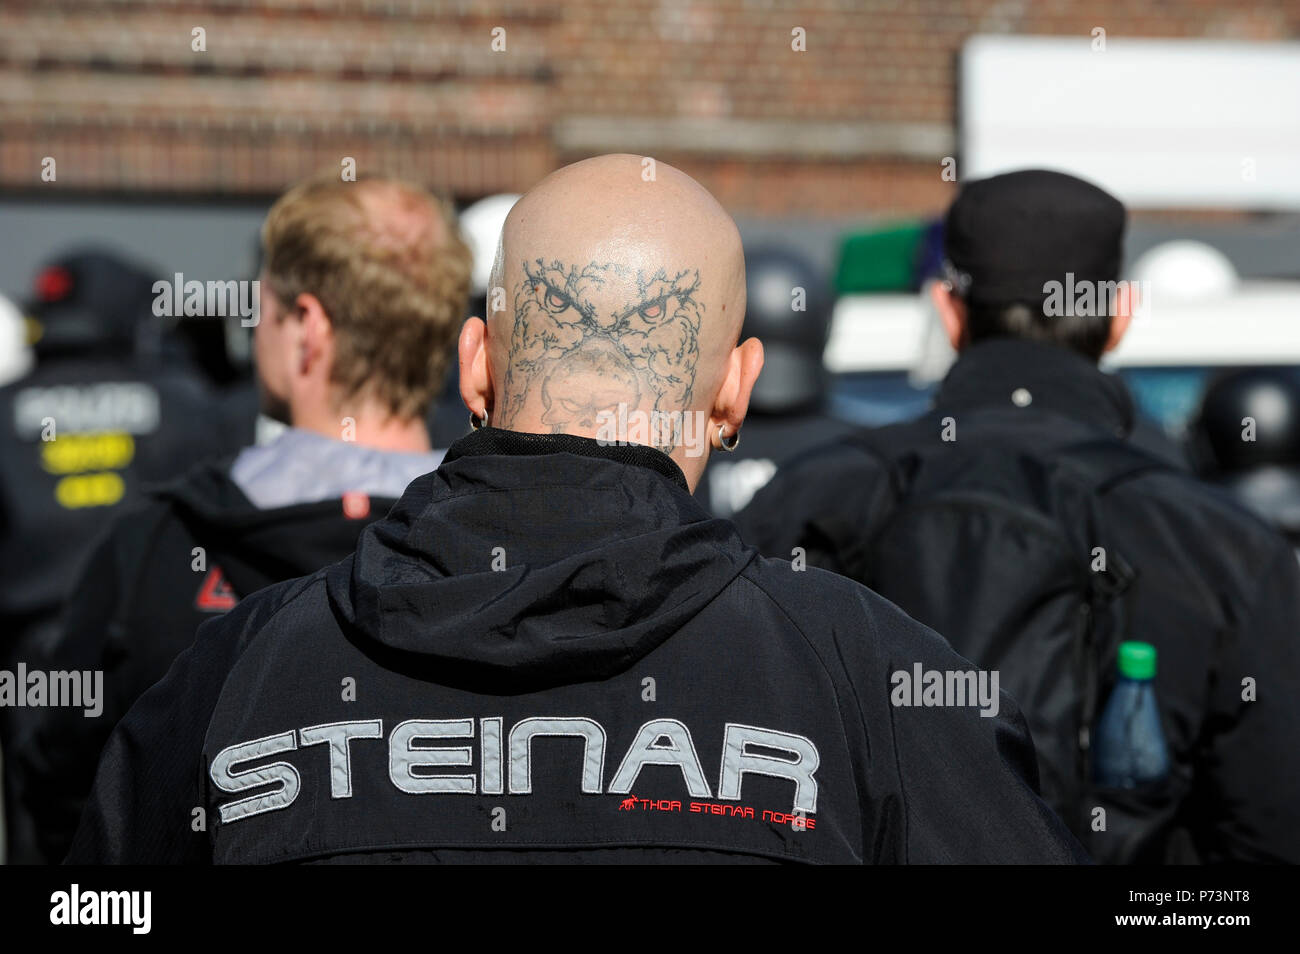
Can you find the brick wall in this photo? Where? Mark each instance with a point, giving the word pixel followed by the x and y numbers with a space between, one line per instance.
pixel 855 125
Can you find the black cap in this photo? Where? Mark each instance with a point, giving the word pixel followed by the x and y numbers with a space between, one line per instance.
pixel 794 338
pixel 90 298
pixel 1009 235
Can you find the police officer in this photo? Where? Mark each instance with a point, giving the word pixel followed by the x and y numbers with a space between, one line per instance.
pixel 351 344
pixel 80 436
pixel 1246 437
pixel 788 309
pixel 548 650
pixel 1017 519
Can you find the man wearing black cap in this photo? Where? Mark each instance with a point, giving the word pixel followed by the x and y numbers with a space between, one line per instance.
pixel 789 309
pixel 1018 519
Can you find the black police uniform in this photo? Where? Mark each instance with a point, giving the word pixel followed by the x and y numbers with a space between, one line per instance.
pixel 1214 590
pixel 548 650
pixel 187 553
pixel 117 427
pixel 80 436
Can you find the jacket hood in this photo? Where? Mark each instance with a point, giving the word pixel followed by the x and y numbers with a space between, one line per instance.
pixel 254 546
pixel 528 561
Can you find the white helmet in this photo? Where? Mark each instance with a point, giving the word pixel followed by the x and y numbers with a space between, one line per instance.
pixel 481 225
pixel 15 352
pixel 1186 270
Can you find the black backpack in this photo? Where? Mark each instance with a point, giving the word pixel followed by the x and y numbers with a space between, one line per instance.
pixel 1006 555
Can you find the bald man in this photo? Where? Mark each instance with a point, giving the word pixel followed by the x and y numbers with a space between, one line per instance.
pixel 548 651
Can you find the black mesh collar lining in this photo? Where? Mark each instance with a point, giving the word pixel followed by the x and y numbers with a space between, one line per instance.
pixel 496 440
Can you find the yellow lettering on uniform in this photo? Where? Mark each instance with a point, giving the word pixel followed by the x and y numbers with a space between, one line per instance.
pixel 89 490
pixel 74 453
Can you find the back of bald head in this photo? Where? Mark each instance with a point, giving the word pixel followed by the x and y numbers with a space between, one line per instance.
pixel 624 287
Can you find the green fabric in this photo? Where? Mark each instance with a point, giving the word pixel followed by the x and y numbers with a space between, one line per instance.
pixel 881 260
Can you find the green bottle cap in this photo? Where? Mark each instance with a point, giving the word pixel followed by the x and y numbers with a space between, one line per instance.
pixel 1137 660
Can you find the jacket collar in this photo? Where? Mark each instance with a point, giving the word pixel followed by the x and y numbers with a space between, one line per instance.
pixel 1005 372
pixel 598 555
pixel 497 441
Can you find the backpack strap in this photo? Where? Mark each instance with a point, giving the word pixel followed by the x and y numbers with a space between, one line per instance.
pixel 1107 462
pixel 888 445
pixel 1104 463
pixel 885 446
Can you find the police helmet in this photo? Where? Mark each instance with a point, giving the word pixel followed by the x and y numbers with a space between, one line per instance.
pixel 789 310
pixel 1249 418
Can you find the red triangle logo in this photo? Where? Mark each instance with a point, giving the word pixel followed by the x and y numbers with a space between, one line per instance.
pixel 356 505
pixel 215 595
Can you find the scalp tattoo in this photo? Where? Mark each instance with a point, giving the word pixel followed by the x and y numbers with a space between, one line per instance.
pixel 585 354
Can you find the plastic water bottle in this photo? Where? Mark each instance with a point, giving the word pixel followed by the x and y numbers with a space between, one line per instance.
pixel 1129 748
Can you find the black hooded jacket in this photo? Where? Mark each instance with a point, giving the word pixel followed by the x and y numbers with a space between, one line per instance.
pixel 548 650
pixel 1213 589
pixel 188 553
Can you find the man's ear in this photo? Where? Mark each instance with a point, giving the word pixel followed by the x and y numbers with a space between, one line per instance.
pixel 475 373
pixel 732 403
pixel 314 347
pixel 1126 303
pixel 952 312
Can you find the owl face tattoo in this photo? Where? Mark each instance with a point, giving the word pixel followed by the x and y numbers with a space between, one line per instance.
pixel 588 336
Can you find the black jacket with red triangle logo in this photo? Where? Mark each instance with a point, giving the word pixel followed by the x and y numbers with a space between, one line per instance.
pixel 187 554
